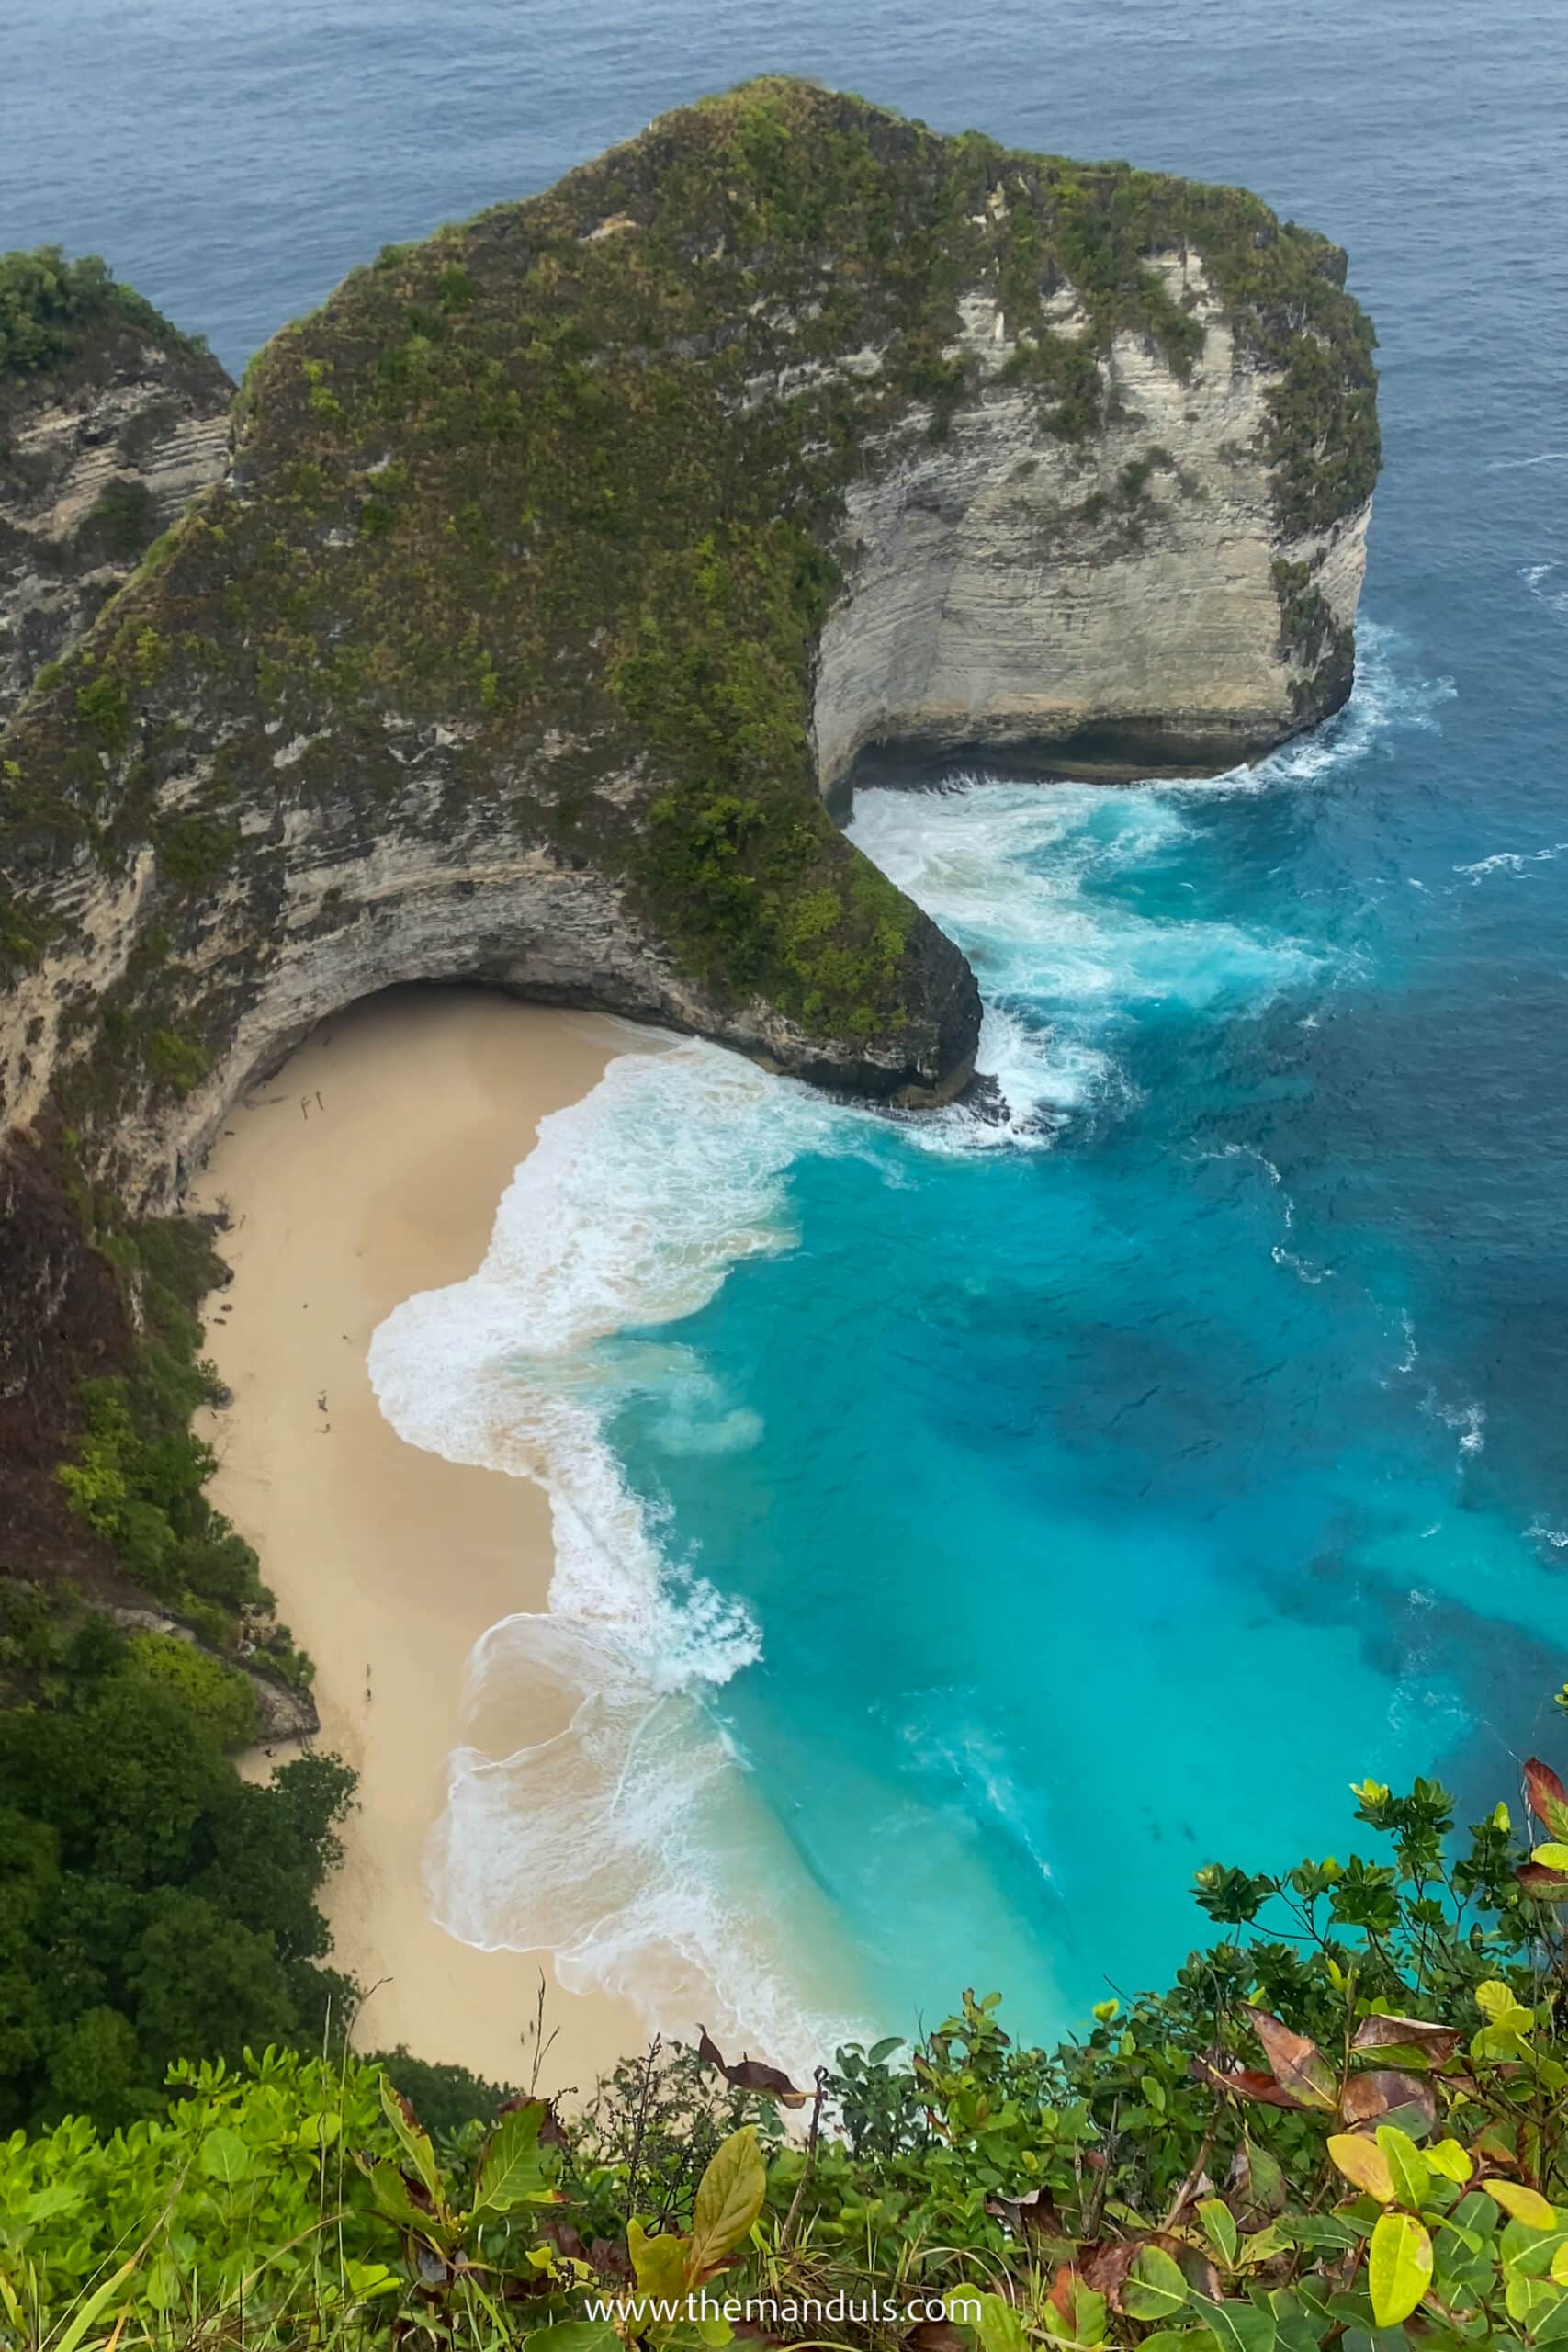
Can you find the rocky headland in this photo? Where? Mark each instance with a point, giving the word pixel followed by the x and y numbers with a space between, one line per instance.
pixel 545 592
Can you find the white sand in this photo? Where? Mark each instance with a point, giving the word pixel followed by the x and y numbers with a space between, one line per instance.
pixel 370 1168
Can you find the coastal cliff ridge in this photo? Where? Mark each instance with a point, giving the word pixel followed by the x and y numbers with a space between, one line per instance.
pixel 571 564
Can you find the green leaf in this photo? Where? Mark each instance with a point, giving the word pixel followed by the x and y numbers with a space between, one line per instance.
pixel 1263 2245
pixel 1220 2229
pixel 661 2266
pixel 1399 2267
pixel 1240 2327
pixel 729 2199
pixel 87 2312
pixel 1001 2328
pixel 1549 2324
pixel 880 2052
pixel 368 2278
pixel 1554 1857
pixel 1407 2167
pixel 1450 2158
pixel 1154 2288
pixel 574 2335
pixel 1498 2006
pixel 391 2192
pixel 1522 2204
pixel 1532 2252
pixel 414 2142
pixel 224 2156
pixel 512 2170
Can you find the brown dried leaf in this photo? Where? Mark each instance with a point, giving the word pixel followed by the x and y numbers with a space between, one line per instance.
pixel 1372 2095
pixel 1104 2267
pixel 1298 2064
pixel 935 2335
pixel 1437 2043
pixel 749 2073
pixel 1034 2215
pixel 1243 2082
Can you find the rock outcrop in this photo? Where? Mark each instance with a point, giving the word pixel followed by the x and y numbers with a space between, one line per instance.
pixel 572 563
pixel 1107 608
pixel 104 440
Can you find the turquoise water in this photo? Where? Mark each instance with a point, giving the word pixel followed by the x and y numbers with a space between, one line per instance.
pixel 966 1534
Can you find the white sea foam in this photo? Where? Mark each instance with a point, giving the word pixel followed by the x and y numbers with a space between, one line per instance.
pixel 1280 1252
pixel 1543 583
pixel 1386 695
pixel 1510 860
pixel 1466 1418
pixel 599 1809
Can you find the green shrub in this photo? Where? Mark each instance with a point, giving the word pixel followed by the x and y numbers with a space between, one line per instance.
pixel 1352 2134
pixel 48 302
pixel 216 1696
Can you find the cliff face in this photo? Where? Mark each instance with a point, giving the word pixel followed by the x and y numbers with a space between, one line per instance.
pixel 1108 606
pixel 106 436
pixel 568 562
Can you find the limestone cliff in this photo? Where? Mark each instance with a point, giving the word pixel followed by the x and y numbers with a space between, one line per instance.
pixel 571 561
pixel 111 423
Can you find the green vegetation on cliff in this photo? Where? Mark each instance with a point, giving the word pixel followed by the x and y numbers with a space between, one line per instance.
pixel 51 309
pixel 1344 2126
pixel 152 1903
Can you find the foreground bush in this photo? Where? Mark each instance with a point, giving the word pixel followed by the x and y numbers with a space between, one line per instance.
pixel 1346 2127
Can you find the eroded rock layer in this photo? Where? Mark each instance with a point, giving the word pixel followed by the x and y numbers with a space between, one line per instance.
pixel 105 438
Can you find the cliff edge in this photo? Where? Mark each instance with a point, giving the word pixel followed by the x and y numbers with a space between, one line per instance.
pixel 572 564
pixel 111 422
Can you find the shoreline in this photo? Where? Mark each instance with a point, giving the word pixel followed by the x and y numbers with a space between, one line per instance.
pixel 369 1168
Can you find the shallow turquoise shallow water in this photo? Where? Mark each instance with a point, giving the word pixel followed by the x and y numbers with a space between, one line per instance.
pixel 1100 1501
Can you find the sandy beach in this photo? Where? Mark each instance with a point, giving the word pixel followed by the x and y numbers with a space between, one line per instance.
pixel 369 1168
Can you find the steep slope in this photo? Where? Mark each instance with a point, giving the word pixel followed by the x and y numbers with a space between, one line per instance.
pixel 110 424
pixel 568 559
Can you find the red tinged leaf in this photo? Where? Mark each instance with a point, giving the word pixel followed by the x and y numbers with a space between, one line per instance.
pixel 1368 2097
pixel 1298 2064
pixel 1061 2296
pixel 1549 1798
pixel 1436 2043
pixel 1536 1879
pixel 1244 2082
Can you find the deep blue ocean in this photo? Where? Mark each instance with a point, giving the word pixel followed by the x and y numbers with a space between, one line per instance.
pixel 1100 1505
